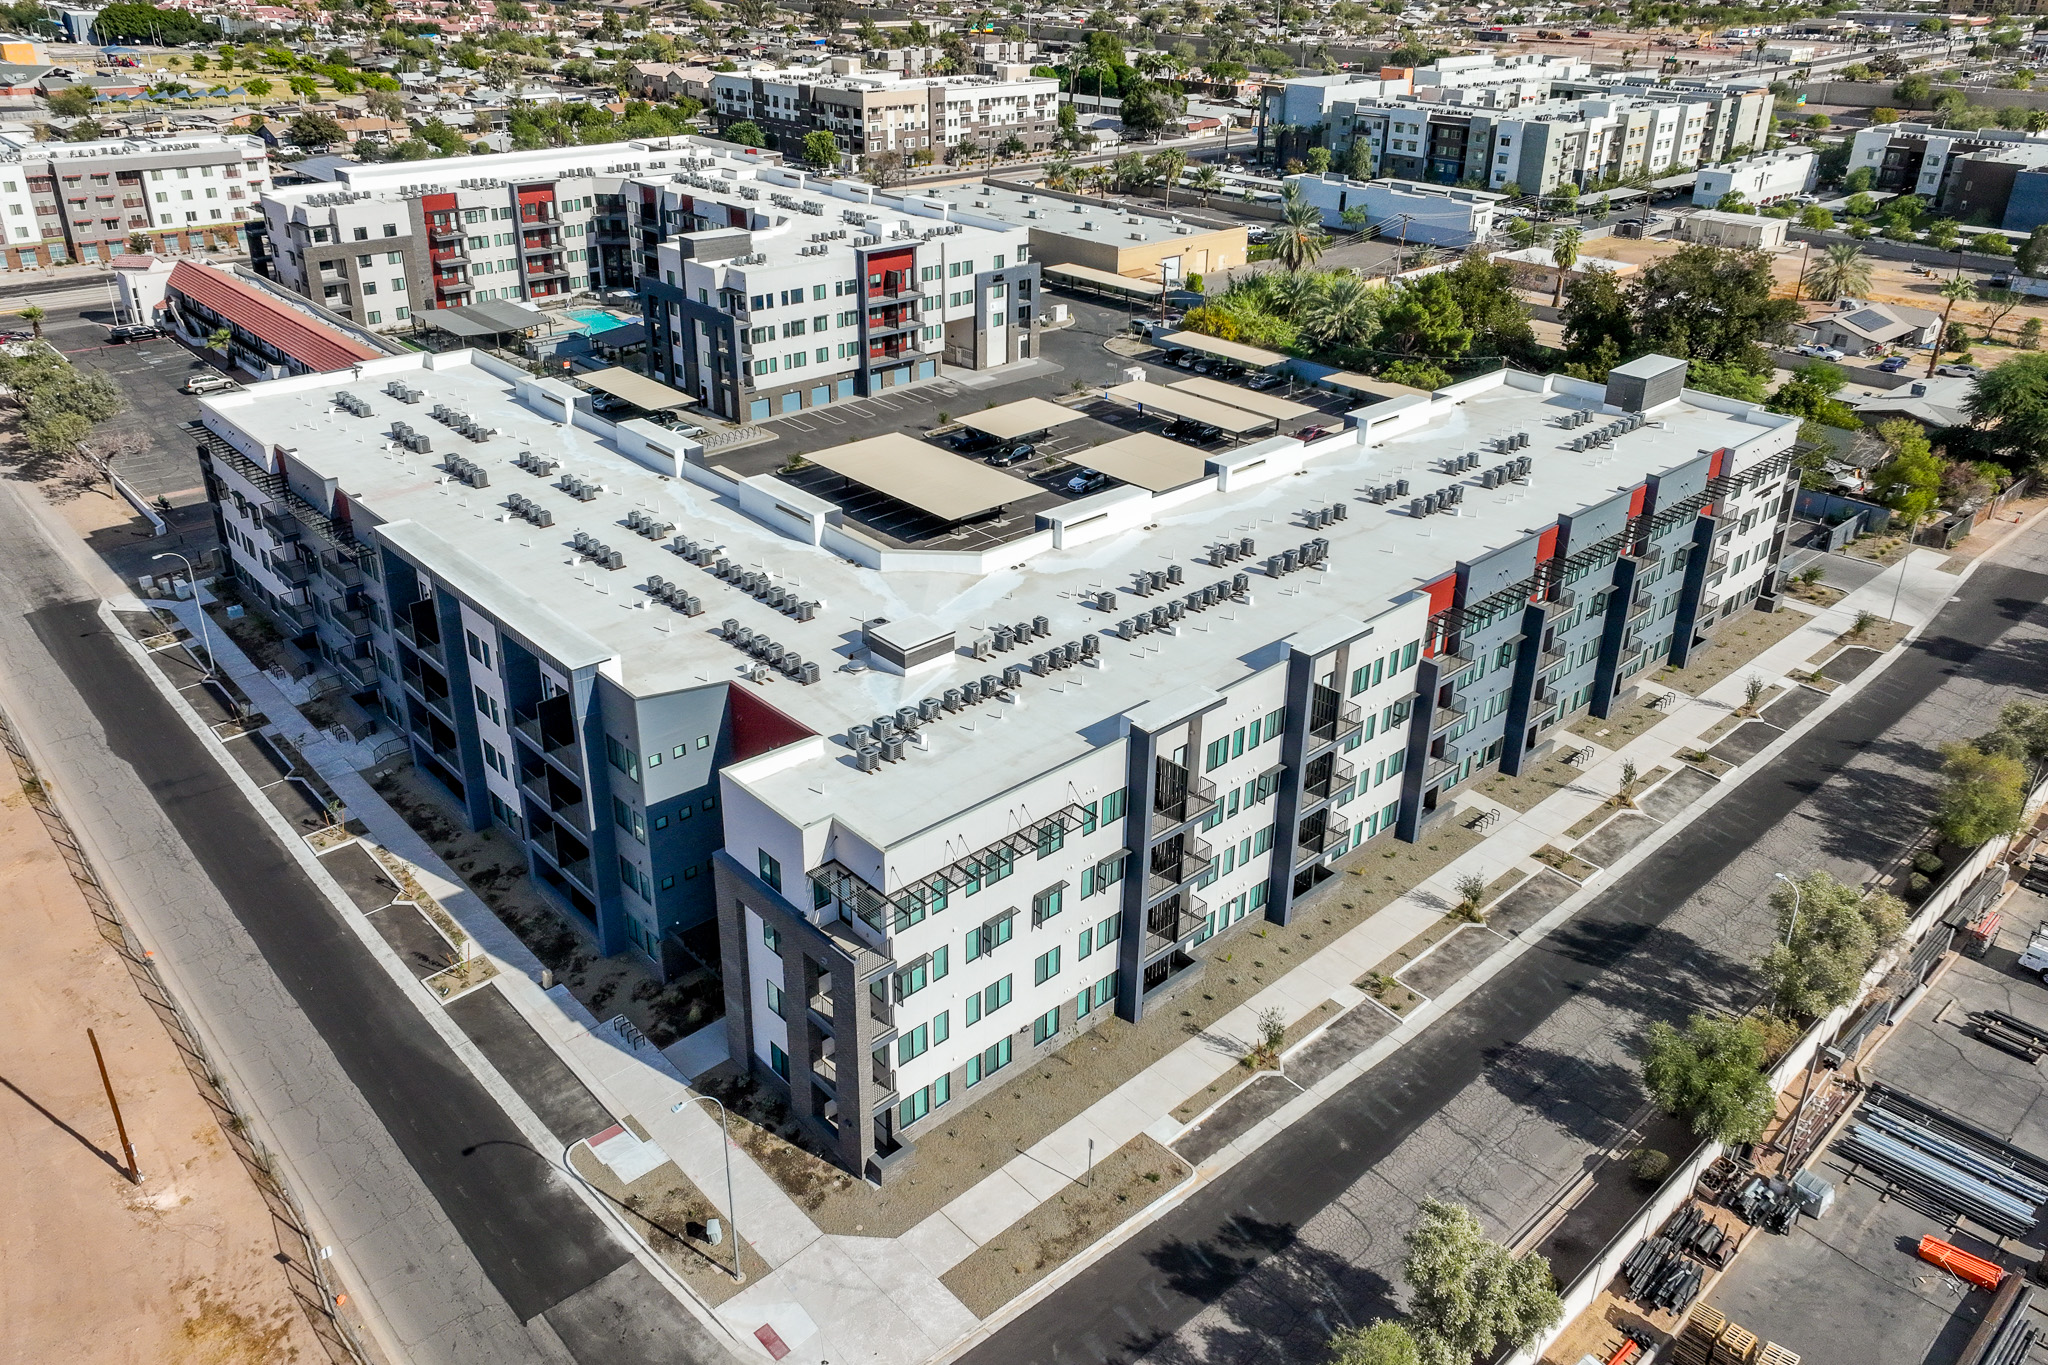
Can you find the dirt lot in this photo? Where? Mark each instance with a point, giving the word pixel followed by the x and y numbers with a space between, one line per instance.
pixel 179 1269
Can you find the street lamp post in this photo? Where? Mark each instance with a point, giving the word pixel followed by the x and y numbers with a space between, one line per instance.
pixel 731 1205
pixel 1795 905
pixel 205 638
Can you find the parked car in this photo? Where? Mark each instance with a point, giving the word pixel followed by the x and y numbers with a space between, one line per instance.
pixel 1960 371
pixel 1195 433
pixel 1820 352
pixel 1184 359
pixel 1016 453
pixel 210 383
pixel 133 331
pixel 1086 481
pixel 19 334
pixel 1892 364
pixel 971 442
pixel 1315 433
pixel 1267 381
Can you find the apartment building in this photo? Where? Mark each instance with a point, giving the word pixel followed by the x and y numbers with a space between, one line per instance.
pixel 931 866
pixel 775 292
pixel 377 242
pixel 1989 175
pixel 1765 178
pixel 1736 117
pixel 887 111
pixel 62 202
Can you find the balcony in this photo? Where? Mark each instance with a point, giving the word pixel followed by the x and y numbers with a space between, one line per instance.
pixel 880 325
pixel 1172 870
pixel 1345 721
pixel 1448 713
pixel 1170 921
pixel 1639 606
pixel 546 268
pixel 1717 562
pixel 895 348
pixel 1319 839
pixel 1174 808
pixel 1550 659
pixel 559 799
pixel 554 737
pixel 293 569
pixel 341 570
pixel 429 645
pixel 1565 600
pixel 354 624
pixel 295 617
pixel 539 244
pixel 361 672
pixel 281 523
pixel 1321 786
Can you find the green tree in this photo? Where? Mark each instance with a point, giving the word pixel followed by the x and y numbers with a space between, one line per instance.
pixel 1953 291
pixel 1299 239
pixel 1344 312
pixel 1147 108
pixel 1317 159
pixel 1734 201
pixel 1859 181
pixel 1207 181
pixel 1424 320
pixel 1358 161
pixel 2033 253
pixel 258 87
pixel 746 133
pixel 1710 303
pixel 1982 795
pixel 2030 335
pixel 315 131
pixel 72 101
pixel 1915 92
pixel 139 23
pixel 1909 480
pixel 33 315
pixel 1469 1295
pixel 1816 219
pixel 821 149
pixel 1810 393
pixel 1730 381
pixel 1599 329
pixel 882 169
pixel 1383 1343
pixel 1485 294
pixel 1828 936
pixel 1711 1076
pixel 1842 272
pixel 1564 252
pixel 2021 734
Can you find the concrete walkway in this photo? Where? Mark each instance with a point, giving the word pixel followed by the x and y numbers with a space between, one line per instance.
pixel 840 1298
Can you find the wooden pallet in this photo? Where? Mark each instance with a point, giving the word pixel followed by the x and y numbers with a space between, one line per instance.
pixel 1774 1354
pixel 1737 1346
pixel 1694 1344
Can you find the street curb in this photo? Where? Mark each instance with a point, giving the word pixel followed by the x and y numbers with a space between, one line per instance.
pixel 471 1056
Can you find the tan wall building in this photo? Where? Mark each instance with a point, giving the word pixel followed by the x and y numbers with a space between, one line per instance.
pixel 1145 244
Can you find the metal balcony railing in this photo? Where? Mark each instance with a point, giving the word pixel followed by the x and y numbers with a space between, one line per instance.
pixel 1177 808
pixel 293 569
pixel 361 672
pixel 1167 923
pixel 355 624
pixel 1339 778
pixel 1448 713
pixel 1346 719
pixel 1171 871
pixel 341 570
pixel 1333 835
pixel 1565 600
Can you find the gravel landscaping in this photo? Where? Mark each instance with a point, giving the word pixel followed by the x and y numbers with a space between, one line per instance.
pixel 1740 639
pixel 1624 723
pixel 1537 782
pixel 1133 1176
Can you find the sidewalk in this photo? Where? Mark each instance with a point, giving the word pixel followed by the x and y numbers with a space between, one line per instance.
pixel 831 1297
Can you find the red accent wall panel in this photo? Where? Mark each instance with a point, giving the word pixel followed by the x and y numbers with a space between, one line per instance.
pixel 1637 498
pixel 758 727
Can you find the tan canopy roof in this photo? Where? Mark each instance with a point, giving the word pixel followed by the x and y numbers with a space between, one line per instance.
pixel 1103 279
pixel 1358 383
pixel 1020 418
pixel 1228 350
pixel 1147 460
pixel 1279 409
pixel 637 389
pixel 1174 403
pixel 924 476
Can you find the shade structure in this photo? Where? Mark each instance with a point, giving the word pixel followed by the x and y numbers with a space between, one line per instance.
pixel 1021 418
pixel 1363 384
pixel 1174 403
pixel 1256 357
pixel 1151 462
pixel 1265 404
pixel 637 389
pixel 1088 277
pixel 506 315
pixel 925 477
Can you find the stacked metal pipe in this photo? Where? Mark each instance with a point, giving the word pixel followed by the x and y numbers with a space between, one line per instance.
pixel 1962 1180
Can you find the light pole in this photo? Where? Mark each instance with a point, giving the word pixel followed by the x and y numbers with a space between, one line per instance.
pixel 205 638
pixel 732 1207
pixel 1795 905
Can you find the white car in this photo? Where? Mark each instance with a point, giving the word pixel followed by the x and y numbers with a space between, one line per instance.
pixel 1818 352
pixel 210 383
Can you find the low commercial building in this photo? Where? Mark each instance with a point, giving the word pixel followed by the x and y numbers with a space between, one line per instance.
pixel 1763 179
pixel 1535 267
pixel 1408 210
pixel 1137 242
pixel 62 202
pixel 952 806
pixel 1715 228
pixel 271 332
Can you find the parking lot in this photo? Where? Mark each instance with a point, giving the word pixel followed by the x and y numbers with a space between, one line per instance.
pixel 149 374
pixel 1071 359
pixel 1848 1288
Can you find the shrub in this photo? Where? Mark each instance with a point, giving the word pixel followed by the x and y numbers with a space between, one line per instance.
pixel 1648 1164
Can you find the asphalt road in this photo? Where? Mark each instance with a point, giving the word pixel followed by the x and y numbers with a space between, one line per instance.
pixel 467 1240
pixel 1304 1237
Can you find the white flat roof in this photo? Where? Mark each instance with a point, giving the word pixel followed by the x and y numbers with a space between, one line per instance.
pixel 1265 404
pixel 1020 418
pixel 1255 356
pixel 1143 394
pixel 1149 461
pixel 929 479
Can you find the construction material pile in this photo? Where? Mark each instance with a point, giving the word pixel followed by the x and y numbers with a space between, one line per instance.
pixel 1959 1176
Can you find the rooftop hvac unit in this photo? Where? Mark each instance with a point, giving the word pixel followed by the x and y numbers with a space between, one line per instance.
pixel 868 757
pixel 1013 678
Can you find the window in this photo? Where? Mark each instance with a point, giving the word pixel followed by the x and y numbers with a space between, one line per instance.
pixel 771 938
pixel 990 936
pixel 1048 903
pixel 771 871
pixel 778 1061
pixel 942 1027
pixel 1052 837
pixel 912 1045
pixel 921 973
pixel 622 758
pixel 654 759
pixel 1045 1026
pixel 629 819
pixel 1045 968
pixel 487 704
pixel 775 999
pixel 922 1102
pixel 996 996
pixel 989 1062
pixel 1113 806
pixel 1095 997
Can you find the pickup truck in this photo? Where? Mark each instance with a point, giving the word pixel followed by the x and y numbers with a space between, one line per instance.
pixel 2035 958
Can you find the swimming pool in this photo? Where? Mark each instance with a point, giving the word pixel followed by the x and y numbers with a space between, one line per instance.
pixel 596 320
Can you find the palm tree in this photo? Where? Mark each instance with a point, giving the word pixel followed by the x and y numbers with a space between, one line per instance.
pixel 1208 180
pixel 1168 165
pixel 219 339
pixel 1345 311
pixel 1955 290
pixel 1564 249
pixel 1842 272
pixel 34 316
pixel 1300 239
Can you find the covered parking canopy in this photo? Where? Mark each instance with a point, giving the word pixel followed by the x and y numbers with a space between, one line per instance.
pixel 1174 403
pixel 1265 404
pixel 1088 277
pixel 637 389
pixel 1021 418
pixel 1151 462
pixel 1234 351
pixel 925 477
pixel 1362 384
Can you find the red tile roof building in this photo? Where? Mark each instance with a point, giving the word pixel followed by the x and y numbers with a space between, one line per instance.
pixel 271 337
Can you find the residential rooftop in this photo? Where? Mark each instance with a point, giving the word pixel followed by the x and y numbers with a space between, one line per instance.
pixel 1114 222
pixel 582 614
